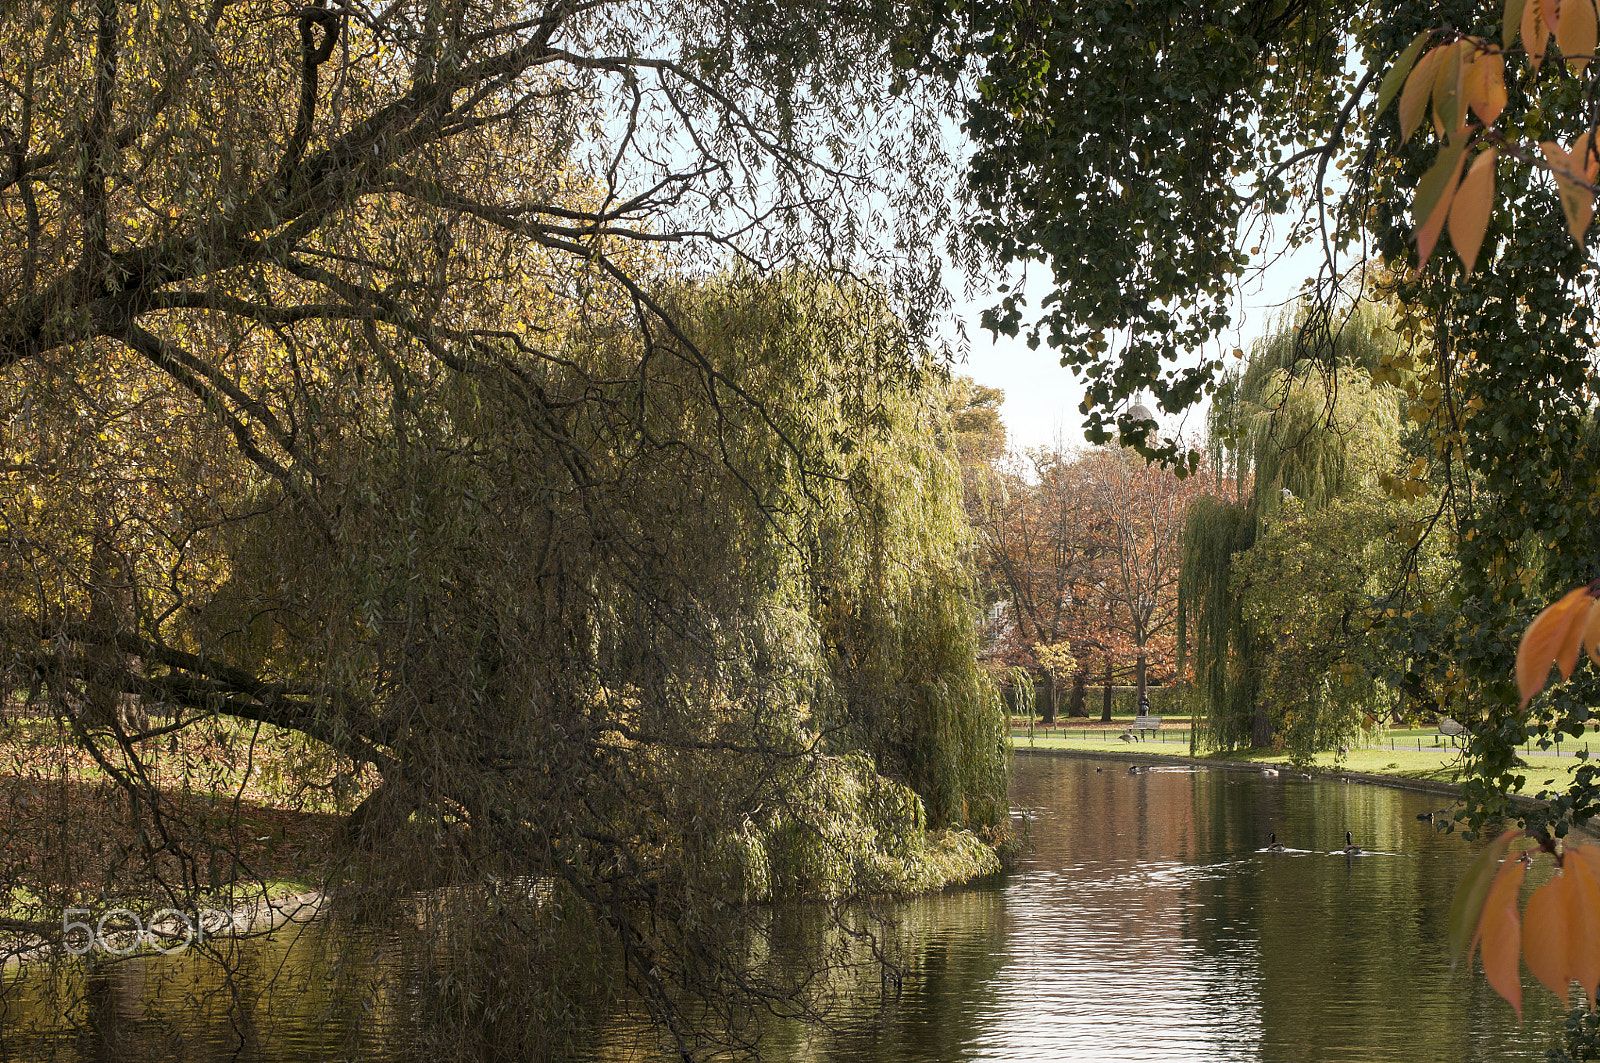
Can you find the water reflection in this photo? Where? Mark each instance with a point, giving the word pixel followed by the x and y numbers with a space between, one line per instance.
pixel 1149 923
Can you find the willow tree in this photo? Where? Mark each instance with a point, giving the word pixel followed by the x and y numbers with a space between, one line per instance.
pixel 1293 424
pixel 402 388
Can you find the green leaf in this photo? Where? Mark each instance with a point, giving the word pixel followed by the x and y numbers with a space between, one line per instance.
pixel 1472 891
pixel 1397 74
pixel 1511 24
pixel 1434 193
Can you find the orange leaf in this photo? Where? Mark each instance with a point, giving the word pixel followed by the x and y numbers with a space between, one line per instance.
pixel 1580 862
pixel 1434 193
pixel 1553 637
pixel 1485 87
pixel 1591 632
pixel 1469 214
pixel 1535 32
pixel 1414 97
pixel 1577 33
pixel 1500 930
pixel 1552 14
pixel 1584 156
pixel 1466 907
pixel 1547 934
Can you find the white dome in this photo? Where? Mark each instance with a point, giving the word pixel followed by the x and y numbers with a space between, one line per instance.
pixel 1140 412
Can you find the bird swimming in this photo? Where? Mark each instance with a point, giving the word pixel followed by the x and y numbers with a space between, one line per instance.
pixel 1274 845
pixel 1350 847
pixel 1269 771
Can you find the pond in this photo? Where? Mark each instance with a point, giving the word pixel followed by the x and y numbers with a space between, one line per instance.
pixel 1148 923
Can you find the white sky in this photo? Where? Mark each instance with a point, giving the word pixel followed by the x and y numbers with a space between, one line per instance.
pixel 1042 398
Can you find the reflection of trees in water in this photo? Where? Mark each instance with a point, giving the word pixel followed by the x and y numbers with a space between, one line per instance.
pixel 403 984
pixel 1346 949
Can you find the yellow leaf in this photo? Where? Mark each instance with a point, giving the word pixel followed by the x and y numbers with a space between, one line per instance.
pixel 1553 637
pixel 1546 934
pixel 1500 930
pixel 1434 193
pixel 1414 99
pixel 1577 33
pixel 1469 214
pixel 1485 87
pixel 1572 171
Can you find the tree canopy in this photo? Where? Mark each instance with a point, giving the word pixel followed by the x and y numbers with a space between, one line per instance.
pixel 1275 120
pixel 517 418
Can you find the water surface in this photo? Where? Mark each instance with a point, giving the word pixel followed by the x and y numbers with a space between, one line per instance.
pixel 1148 923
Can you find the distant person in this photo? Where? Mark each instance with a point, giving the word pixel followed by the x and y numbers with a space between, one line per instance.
pixel 1144 703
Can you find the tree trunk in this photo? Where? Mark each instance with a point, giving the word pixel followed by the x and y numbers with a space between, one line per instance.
pixel 1139 696
pixel 1105 704
pixel 1078 707
pixel 1048 712
pixel 1260 728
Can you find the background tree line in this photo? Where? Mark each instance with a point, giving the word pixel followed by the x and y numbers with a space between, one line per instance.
pixel 1079 558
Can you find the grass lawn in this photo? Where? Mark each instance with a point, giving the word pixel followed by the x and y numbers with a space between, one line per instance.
pixel 1402 753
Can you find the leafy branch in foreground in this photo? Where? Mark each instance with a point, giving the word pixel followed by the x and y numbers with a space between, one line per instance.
pixel 1464 77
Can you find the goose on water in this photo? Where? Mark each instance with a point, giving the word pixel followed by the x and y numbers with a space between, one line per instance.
pixel 1274 845
pixel 1350 847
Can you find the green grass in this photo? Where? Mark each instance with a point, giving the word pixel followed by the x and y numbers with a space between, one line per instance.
pixel 1436 760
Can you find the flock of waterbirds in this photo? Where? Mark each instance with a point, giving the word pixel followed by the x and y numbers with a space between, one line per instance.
pixel 1274 845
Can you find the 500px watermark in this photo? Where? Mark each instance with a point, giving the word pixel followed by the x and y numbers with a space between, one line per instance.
pixel 168 931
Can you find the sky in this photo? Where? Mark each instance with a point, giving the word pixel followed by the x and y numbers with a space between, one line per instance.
pixel 1041 404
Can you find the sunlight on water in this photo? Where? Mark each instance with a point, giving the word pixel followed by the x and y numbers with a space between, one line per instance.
pixel 1150 923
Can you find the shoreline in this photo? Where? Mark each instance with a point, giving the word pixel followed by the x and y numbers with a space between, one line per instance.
pixel 1394 782
pixel 252 919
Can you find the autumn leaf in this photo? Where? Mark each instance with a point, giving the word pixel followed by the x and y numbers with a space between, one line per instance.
pixel 1577 202
pixel 1553 638
pixel 1547 934
pixel 1419 86
pixel 1466 907
pixel 1500 931
pixel 1396 77
pixel 1580 862
pixel 1469 213
pixel 1536 30
pixel 1577 33
pixel 1591 638
pixel 1485 86
pixel 1434 193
